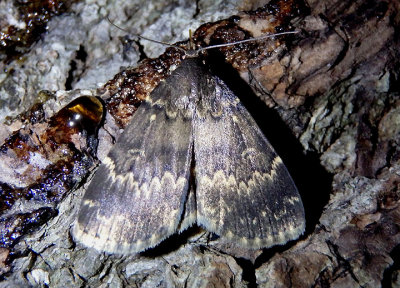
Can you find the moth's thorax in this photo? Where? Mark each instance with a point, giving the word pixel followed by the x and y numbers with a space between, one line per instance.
pixel 194 83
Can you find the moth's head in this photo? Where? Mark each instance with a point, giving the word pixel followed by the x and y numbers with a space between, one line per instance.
pixel 189 47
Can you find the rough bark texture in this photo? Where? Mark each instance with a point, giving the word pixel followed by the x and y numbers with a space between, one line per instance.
pixel 334 118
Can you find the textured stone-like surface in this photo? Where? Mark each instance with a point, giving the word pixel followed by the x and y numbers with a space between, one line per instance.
pixel 335 90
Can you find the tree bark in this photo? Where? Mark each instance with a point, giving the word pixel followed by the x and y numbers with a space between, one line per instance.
pixel 330 107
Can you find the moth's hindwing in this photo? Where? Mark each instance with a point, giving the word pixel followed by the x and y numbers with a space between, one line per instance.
pixel 137 196
pixel 244 192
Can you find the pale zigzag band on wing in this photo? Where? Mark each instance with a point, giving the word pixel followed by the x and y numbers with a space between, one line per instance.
pixel 249 197
pixel 136 198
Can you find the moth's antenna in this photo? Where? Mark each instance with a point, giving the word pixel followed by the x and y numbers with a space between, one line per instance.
pixel 191 43
pixel 145 38
pixel 191 50
pixel 247 40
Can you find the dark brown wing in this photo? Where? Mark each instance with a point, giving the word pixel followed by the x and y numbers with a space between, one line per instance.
pixel 243 190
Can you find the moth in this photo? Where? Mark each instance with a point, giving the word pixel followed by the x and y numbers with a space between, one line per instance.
pixel 192 154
